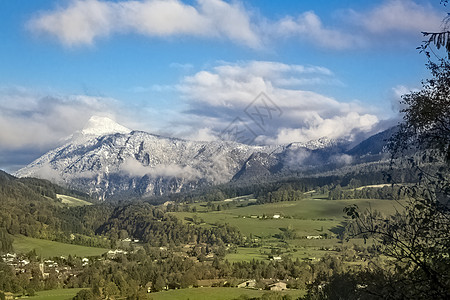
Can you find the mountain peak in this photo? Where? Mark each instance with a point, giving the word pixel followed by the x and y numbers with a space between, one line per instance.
pixel 98 126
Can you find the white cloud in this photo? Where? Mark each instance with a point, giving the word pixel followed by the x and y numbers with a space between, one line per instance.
pixel 339 126
pixel 297 158
pixel 84 21
pixel 80 23
pixel 35 121
pixel 213 98
pixel 134 168
pixel 161 18
pixel 343 159
pixel 396 97
pixel 398 19
pixel 230 20
pixel 403 16
pixel 32 119
pixel 219 95
pixel 238 84
pixel 202 135
pixel 46 171
pixel 309 26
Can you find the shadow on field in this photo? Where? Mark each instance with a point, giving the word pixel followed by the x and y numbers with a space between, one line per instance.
pixel 339 229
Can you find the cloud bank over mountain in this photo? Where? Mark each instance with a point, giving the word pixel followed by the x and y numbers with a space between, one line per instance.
pixel 206 70
pixel 211 98
pixel 294 114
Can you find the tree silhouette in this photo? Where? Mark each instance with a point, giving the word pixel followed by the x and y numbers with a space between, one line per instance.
pixel 417 238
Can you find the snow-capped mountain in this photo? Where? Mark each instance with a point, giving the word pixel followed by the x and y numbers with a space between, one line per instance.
pixel 108 159
pixel 98 126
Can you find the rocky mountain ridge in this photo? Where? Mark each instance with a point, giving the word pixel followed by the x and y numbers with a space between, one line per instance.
pixel 107 159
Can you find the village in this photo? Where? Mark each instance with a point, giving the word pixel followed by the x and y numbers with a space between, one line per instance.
pixel 66 268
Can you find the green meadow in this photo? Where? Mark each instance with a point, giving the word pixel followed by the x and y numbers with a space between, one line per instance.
pixel 45 248
pixel 59 294
pixel 72 201
pixel 216 293
pixel 307 217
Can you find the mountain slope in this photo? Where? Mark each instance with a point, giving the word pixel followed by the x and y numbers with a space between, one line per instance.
pixel 30 206
pixel 4 177
pixel 375 144
pixel 108 160
pixel 136 161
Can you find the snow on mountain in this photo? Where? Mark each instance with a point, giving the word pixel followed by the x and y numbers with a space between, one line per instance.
pixel 99 126
pixel 108 159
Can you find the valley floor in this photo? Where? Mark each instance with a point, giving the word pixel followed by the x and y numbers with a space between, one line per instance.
pixel 315 224
pixel 217 293
pixel 48 249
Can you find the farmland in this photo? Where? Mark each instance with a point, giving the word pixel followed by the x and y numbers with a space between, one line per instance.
pixel 308 216
pixel 217 293
pixel 59 294
pixel 46 248
pixel 72 201
pixel 317 218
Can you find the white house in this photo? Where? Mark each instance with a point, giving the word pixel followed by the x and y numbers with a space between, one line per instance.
pixel 247 284
pixel 278 286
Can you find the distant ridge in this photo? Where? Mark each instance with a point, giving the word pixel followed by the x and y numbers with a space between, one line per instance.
pixel 375 144
pixel 108 160
pixel 5 176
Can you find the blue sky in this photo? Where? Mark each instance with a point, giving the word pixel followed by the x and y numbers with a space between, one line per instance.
pixel 189 68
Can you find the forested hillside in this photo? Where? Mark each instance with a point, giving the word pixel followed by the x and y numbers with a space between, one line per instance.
pixel 30 206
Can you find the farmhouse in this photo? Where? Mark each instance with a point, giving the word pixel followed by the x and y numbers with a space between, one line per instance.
pixel 148 286
pixel 85 261
pixel 8 295
pixel 247 284
pixel 313 237
pixel 278 286
pixel 115 253
pixel 210 282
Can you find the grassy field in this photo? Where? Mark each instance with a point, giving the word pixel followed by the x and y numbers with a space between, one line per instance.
pixel 307 217
pixel 45 248
pixel 246 254
pixel 258 253
pixel 297 248
pixel 241 201
pixel 215 293
pixel 60 294
pixel 72 201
